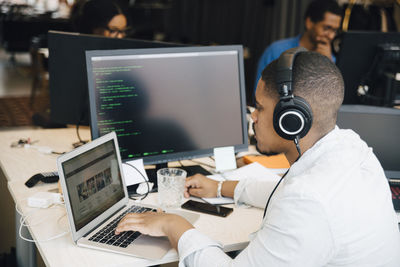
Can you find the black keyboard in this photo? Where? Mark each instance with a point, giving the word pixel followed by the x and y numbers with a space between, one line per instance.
pixel 107 236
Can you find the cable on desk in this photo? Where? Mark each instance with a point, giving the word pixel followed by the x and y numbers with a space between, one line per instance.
pixel 145 181
pixel 23 219
pixel 37 240
pixel 201 163
pixel 81 142
pixel 57 153
pixel 43 149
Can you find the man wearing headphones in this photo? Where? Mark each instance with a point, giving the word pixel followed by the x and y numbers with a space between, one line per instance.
pixel 332 207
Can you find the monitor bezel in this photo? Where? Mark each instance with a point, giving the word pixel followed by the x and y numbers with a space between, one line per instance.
pixel 158 159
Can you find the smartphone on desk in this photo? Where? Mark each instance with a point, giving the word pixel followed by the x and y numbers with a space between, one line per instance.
pixel 206 208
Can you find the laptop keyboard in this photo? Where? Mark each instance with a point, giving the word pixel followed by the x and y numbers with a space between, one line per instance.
pixel 106 234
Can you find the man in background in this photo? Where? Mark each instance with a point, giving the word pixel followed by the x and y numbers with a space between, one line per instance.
pixel 321 20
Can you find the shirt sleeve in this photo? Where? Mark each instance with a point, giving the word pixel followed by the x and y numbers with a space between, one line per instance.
pixel 253 192
pixel 196 249
pixel 294 233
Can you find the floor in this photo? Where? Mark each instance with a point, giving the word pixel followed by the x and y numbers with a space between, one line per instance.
pixel 15 75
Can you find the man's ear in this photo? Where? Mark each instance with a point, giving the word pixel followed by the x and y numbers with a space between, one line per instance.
pixel 308 23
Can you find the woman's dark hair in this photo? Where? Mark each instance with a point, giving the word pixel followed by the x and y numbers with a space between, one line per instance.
pixel 88 15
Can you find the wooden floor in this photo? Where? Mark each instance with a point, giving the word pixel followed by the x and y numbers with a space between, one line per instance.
pixel 15 88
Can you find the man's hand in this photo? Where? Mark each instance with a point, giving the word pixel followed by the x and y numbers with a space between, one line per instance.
pixel 323 46
pixel 155 224
pixel 149 223
pixel 200 186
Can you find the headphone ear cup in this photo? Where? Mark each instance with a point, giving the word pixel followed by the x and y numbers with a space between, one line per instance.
pixel 292 117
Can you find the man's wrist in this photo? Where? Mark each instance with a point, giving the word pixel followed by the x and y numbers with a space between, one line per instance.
pixel 175 227
pixel 219 189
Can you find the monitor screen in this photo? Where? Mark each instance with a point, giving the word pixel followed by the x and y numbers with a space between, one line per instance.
pixel 67 71
pixel 356 57
pixel 169 104
pixel 379 127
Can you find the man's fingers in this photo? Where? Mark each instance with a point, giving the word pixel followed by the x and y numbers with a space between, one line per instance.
pixel 129 227
pixel 190 183
pixel 197 192
pixel 130 220
pixel 186 194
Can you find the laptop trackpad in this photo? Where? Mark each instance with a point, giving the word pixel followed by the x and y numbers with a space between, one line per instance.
pixel 150 247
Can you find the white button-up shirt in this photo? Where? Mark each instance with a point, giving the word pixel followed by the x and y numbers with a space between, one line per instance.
pixel 333 208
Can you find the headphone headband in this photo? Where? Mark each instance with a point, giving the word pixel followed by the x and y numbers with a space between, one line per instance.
pixel 284 69
pixel 292 114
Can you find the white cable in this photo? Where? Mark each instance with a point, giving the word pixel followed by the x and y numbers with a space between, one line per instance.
pixel 22 216
pixel 16 207
pixel 23 220
pixel 37 240
pixel 41 149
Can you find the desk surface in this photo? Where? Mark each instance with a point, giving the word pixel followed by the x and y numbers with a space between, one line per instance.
pixel 231 232
pixel 18 164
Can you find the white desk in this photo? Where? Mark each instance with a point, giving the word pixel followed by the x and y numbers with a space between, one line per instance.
pixel 18 164
pixel 21 163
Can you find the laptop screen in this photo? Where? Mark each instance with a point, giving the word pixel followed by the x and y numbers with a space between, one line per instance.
pixel 94 183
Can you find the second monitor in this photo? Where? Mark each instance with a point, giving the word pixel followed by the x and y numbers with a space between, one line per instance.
pixel 169 104
pixel 67 70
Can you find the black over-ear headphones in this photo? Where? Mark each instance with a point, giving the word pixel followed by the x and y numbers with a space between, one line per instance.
pixel 292 115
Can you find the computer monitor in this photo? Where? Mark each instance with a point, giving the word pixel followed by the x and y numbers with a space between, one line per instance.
pixel 356 59
pixel 379 127
pixel 169 104
pixel 67 71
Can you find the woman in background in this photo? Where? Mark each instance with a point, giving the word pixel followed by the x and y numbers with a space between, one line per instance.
pixel 100 17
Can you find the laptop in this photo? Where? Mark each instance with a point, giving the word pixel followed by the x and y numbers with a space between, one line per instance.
pixel 96 198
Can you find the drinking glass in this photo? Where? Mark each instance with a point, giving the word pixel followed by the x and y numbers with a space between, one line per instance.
pixel 171 185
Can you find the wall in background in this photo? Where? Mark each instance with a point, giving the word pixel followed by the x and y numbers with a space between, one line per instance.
pixel 255 24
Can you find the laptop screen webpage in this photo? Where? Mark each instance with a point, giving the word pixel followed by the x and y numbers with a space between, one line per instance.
pixel 93 182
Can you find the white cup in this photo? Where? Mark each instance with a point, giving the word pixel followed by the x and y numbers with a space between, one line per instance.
pixel 171 185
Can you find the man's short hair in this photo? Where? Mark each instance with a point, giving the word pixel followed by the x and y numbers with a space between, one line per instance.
pixel 316 79
pixel 316 9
